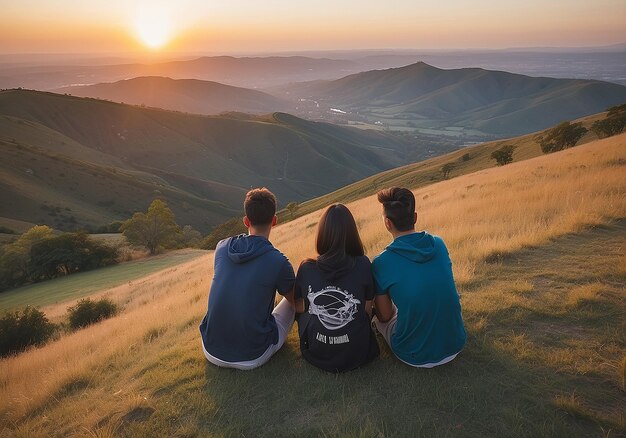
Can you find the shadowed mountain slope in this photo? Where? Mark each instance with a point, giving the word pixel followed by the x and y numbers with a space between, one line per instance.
pixel 67 152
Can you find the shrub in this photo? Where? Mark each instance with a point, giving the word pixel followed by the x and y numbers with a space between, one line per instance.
pixel 292 208
pixel 20 330
pixel 87 312
pixel 466 157
pixel 562 136
pixel 6 230
pixel 504 155
pixel 113 227
pixel 446 169
pixel 613 124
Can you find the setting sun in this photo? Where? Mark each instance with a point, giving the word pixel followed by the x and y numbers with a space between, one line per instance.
pixel 153 26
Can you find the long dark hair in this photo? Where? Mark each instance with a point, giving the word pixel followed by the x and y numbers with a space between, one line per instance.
pixel 338 240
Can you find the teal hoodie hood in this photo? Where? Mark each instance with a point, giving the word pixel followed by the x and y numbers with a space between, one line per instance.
pixel 417 247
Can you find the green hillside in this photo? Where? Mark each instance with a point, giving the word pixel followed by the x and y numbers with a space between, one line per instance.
pixel 188 95
pixel 76 161
pixel 421 96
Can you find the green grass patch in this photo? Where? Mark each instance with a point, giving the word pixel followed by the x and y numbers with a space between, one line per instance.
pixel 85 283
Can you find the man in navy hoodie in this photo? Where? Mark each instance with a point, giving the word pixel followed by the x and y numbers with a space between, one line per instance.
pixel 417 304
pixel 241 328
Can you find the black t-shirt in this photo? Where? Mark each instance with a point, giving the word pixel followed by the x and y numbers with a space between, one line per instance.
pixel 335 331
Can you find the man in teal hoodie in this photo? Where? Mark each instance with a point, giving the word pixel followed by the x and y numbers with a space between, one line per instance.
pixel 417 304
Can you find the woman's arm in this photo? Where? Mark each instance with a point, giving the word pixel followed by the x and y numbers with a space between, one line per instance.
pixel 299 305
pixel 368 307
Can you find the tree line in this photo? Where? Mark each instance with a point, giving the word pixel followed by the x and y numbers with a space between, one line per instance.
pixel 40 254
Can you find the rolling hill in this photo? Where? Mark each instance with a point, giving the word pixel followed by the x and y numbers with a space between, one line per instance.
pixel 467 160
pixel 187 95
pixel 491 102
pixel 72 161
pixel 537 251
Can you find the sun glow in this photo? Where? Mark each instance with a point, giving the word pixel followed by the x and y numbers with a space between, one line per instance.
pixel 153 26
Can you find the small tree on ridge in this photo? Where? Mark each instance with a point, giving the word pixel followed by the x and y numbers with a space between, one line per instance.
pixel 155 229
pixel 504 155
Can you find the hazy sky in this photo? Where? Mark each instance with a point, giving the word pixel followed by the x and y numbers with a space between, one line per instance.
pixel 121 26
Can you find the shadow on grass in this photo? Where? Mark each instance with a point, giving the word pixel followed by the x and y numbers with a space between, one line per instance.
pixel 483 392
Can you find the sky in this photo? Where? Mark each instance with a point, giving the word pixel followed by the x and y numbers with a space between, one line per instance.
pixel 253 26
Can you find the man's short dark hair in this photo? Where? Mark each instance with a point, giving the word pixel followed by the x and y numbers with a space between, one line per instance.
pixel 260 206
pixel 399 206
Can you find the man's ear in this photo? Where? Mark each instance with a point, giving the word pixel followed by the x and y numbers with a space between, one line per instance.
pixel 246 221
pixel 274 220
pixel 414 218
pixel 388 223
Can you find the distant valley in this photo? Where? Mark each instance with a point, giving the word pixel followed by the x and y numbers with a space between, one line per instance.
pixel 461 102
pixel 465 105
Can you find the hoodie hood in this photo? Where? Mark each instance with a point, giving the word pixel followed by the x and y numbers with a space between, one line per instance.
pixel 417 247
pixel 335 266
pixel 243 248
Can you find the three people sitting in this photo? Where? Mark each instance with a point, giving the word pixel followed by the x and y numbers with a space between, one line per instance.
pixel 409 287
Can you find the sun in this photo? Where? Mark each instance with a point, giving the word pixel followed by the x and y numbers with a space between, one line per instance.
pixel 153 26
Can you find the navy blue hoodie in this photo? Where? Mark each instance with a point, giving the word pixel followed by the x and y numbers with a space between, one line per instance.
pixel 239 325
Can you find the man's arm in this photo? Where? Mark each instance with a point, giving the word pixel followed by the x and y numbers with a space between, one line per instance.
pixel 286 282
pixel 289 297
pixel 384 307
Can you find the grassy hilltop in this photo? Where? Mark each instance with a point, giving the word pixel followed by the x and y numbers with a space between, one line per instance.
pixel 537 248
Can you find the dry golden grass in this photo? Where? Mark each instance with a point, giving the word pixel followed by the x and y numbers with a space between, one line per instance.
pixel 482 217
pixel 493 212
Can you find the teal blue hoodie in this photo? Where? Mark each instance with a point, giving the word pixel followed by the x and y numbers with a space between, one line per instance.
pixel 416 271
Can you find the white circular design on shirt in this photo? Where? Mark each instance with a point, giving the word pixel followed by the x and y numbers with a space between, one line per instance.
pixel 333 307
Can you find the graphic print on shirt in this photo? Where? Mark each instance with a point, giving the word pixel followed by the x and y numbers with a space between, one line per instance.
pixel 333 307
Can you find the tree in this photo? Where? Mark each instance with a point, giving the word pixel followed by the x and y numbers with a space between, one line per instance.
pixel 504 155
pixel 190 238
pixel 466 157
pixel 562 136
pixel 15 258
pixel 155 229
pixel 613 124
pixel 446 169
pixel 67 254
pixel 292 208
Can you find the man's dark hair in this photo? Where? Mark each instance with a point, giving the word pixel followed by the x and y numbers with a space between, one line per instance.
pixel 399 206
pixel 260 206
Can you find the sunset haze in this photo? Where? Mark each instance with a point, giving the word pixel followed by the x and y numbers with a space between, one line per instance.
pixel 247 26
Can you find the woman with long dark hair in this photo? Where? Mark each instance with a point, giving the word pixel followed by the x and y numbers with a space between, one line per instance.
pixel 334 294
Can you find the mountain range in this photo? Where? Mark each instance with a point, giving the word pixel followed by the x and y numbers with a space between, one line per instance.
pixel 417 98
pixel 422 96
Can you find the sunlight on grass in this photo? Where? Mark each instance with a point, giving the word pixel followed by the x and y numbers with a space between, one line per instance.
pixel 142 372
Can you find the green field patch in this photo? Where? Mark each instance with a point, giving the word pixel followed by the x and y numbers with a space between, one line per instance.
pixel 85 283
